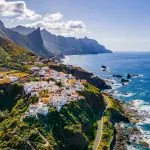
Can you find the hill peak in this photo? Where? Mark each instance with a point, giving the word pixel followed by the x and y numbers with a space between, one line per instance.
pixel 36 37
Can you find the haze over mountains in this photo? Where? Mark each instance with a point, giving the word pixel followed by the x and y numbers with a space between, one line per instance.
pixel 47 45
pixel 32 42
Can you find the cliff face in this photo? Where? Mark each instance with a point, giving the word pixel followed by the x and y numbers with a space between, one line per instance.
pixel 71 45
pixel 39 47
pixel 74 127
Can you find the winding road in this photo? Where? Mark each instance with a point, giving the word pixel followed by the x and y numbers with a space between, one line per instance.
pixel 100 125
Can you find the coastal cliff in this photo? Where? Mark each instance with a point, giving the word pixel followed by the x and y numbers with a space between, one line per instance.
pixel 81 74
pixel 74 126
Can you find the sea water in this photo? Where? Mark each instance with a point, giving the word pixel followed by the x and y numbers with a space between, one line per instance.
pixel 138 88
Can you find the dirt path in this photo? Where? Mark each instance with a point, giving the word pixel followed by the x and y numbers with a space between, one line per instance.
pixel 29 143
pixel 47 144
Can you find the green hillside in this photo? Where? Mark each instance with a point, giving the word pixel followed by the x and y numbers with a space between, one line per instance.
pixel 4 55
pixel 74 127
pixel 11 52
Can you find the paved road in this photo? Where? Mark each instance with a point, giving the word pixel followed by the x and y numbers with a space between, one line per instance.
pixel 100 125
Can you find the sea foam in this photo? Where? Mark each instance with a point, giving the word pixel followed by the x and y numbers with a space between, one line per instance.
pixel 143 109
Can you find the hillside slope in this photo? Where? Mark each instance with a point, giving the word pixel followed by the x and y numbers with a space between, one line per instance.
pixel 25 41
pixel 74 127
pixel 12 52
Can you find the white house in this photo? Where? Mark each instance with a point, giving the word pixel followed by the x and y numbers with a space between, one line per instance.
pixel 42 108
pixel 34 93
pixel 13 78
pixel 45 68
pixel 34 68
pixel 38 63
pixel 59 101
pixel 51 83
pixel 42 72
pixel 32 110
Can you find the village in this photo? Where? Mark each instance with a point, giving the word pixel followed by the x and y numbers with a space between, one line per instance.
pixel 53 89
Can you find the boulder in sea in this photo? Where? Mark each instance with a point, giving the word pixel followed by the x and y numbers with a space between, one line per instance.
pixel 124 80
pixel 129 76
pixel 118 76
pixel 104 67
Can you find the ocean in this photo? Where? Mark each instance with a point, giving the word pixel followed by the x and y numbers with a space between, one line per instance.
pixel 138 88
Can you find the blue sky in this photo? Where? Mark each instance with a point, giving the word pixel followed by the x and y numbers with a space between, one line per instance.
pixel 120 25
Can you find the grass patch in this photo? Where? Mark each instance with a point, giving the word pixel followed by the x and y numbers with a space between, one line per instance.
pixel 89 87
pixel 114 104
pixel 14 73
pixel 107 132
pixel 19 74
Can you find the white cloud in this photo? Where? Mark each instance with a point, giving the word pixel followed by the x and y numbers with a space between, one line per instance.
pixel 18 13
pixel 75 25
pixel 54 23
pixel 53 17
pixel 17 9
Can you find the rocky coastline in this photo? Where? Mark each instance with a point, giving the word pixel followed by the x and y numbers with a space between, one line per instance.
pixel 81 74
pixel 126 133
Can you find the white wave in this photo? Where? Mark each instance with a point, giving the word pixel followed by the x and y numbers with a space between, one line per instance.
pixel 125 94
pixel 130 147
pixel 110 75
pixel 139 75
pixel 145 134
pixel 125 83
pixel 117 94
pixel 116 86
pixel 66 60
pixel 113 83
pixel 143 109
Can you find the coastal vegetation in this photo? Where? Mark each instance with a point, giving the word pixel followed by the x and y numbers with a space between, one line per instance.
pixel 74 127
pixel 107 132
pixel 12 52
pixel 112 115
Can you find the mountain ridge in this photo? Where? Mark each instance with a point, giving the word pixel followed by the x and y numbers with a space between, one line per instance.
pixel 39 44
pixel 61 45
pixel 47 45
